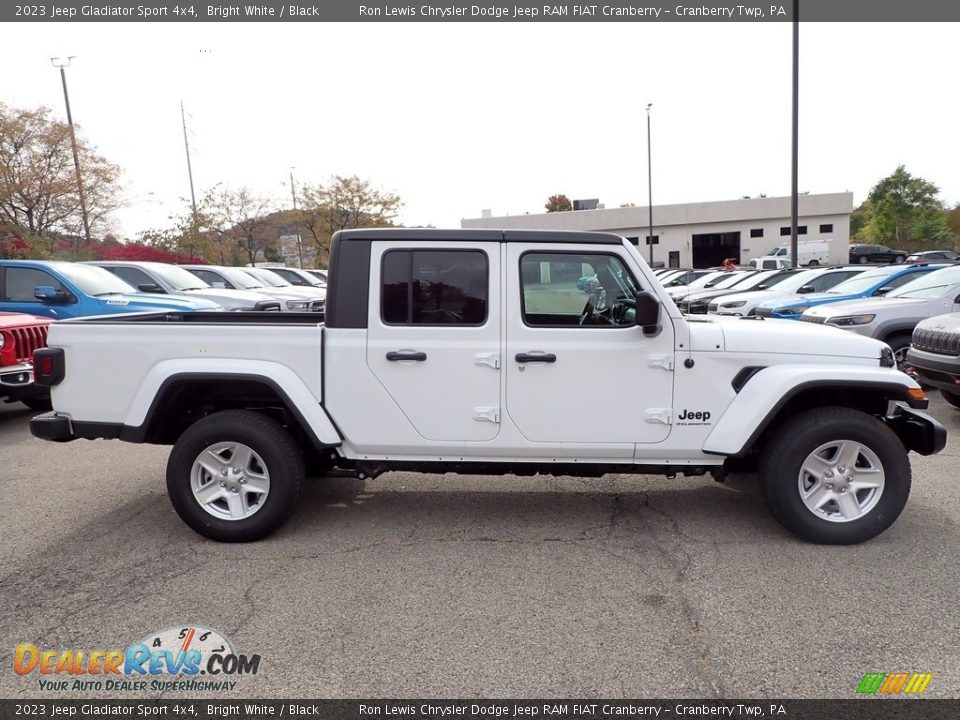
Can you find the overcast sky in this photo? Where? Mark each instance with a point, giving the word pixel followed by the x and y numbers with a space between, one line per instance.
pixel 459 117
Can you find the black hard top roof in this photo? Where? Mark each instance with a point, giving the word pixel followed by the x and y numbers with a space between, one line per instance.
pixel 473 234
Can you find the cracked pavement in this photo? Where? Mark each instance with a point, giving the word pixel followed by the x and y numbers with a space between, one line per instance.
pixel 443 586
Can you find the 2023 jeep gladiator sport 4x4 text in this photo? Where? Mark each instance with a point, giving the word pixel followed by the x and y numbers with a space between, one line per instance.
pixel 480 351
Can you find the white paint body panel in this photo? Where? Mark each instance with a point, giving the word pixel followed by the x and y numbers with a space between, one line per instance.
pixel 614 396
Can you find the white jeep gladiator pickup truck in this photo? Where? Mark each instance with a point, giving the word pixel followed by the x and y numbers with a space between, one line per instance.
pixel 482 351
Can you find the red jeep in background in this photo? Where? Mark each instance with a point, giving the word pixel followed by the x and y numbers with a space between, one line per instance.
pixel 20 335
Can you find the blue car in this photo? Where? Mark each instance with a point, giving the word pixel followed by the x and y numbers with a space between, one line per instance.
pixel 61 290
pixel 872 283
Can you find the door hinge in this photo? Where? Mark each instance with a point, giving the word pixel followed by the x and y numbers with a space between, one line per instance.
pixel 486 414
pixel 491 359
pixel 661 361
pixel 659 416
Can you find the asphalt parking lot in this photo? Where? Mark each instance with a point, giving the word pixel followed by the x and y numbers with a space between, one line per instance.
pixel 438 586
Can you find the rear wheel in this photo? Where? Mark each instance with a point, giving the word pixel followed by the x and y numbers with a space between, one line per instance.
pixel 835 475
pixel 950 397
pixel 813 263
pixel 235 476
pixel 899 259
pixel 863 260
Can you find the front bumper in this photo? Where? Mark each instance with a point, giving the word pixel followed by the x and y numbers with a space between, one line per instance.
pixel 917 430
pixel 939 371
pixel 17 376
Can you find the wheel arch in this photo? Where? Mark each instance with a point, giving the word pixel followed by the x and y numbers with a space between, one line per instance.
pixel 185 397
pixel 754 413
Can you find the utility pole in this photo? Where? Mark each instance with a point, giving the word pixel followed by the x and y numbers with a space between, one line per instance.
pixel 794 185
pixel 296 220
pixel 186 145
pixel 62 64
pixel 649 186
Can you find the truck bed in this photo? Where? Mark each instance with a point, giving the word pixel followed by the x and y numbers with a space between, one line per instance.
pixel 207 318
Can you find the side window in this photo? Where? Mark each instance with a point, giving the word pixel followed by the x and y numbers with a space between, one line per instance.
pixel 134 276
pixel 576 290
pixel 434 287
pixel 22 281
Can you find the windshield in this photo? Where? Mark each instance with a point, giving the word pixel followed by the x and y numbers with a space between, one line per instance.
pixel 735 280
pixel 268 278
pixel 704 279
pixel 238 277
pixel 861 283
pixel 93 280
pixel 178 278
pixel 767 279
pixel 929 285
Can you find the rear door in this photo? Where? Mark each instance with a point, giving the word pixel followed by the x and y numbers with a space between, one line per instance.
pixel 434 335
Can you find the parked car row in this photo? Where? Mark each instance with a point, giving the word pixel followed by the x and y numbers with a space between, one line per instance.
pixel 885 303
pixel 59 290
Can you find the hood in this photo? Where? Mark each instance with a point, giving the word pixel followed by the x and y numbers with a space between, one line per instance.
pixel 866 306
pixel 145 301
pixel 230 299
pixel 15 319
pixel 792 338
pixel 949 323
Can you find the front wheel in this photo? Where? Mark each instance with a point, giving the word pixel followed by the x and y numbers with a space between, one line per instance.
pixel 863 260
pixel 235 476
pixel 899 259
pixel 813 263
pixel 835 476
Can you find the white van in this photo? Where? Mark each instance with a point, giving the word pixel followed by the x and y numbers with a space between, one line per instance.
pixel 809 252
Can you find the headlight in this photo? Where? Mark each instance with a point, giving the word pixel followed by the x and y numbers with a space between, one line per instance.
pixel 795 310
pixel 298 304
pixel 734 304
pixel 848 320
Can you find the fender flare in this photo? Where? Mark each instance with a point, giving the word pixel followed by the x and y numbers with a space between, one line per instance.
pixel 297 397
pixel 767 391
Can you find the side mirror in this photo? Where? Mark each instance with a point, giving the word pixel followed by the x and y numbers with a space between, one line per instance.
pixel 884 290
pixel 149 288
pixel 805 289
pixel 49 295
pixel 762 287
pixel 219 284
pixel 648 313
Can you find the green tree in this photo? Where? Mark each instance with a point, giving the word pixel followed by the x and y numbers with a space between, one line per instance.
pixel 558 203
pixel 38 185
pixel 904 211
pixel 345 202
pixel 236 222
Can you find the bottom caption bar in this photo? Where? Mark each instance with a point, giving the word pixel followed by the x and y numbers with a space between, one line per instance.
pixel 860 709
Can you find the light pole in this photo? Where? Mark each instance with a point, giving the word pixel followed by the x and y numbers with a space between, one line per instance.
pixel 296 219
pixel 58 63
pixel 649 186
pixel 794 198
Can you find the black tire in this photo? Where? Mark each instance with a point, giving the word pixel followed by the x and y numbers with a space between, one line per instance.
pixel 813 263
pixel 863 260
pixel 898 260
pixel 40 403
pixel 950 397
pixel 899 344
pixel 784 456
pixel 281 460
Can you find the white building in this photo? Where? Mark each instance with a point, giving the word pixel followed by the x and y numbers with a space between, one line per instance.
pixel 703 234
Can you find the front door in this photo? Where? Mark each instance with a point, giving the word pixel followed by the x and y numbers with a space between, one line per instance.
pixel 578 370
pixel 433 338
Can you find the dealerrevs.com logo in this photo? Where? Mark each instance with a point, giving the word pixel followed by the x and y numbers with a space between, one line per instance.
pixel 183 658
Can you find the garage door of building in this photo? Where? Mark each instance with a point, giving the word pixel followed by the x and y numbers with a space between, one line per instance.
pixel 711 249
